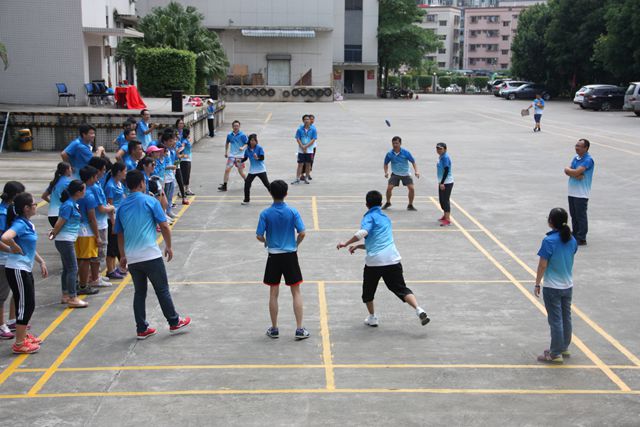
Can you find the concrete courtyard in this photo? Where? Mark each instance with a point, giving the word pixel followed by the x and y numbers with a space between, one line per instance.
pixel 474 364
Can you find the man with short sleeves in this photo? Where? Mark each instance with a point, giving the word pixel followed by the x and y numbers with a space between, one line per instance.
pixel 399 159
pixel 80 150
pixel 580 176
pixel 306 136
pixel 144 129
pixel 135 153
pixel 538 109
pixel 128 135
pixel 234 152
pixel 277 228
pixel 138 216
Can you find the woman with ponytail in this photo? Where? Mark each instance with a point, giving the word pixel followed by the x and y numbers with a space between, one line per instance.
pixel 21 237
pixel 65 234
pixel 556 268
pixel 11 189
pixel 52 194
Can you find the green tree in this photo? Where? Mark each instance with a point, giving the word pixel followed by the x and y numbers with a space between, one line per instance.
pixel 177 27
pixel 400 41
pixel 529 58
pixel 3 55
pixel 618 51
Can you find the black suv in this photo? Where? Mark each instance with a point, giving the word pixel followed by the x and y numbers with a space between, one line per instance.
pixel 605 99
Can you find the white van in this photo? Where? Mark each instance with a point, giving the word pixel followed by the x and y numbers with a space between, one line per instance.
pixel 632 98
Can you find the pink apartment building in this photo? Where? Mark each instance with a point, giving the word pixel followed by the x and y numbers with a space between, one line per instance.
pixel 488 34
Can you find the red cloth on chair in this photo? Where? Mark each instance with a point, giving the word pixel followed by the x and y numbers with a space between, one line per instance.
pixel 132 97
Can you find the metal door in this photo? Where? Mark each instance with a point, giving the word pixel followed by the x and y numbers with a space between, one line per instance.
pixel 278 72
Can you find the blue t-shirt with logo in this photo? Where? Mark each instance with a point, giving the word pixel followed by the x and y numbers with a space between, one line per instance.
pixel 280 223
pixel 85 204
pixel 137 218
pixel 305 136
pixel 170 160
pixel 26 238
pixel 399 161
pixel 581 188
pixel 79 155
pixel 101 218
pixel 141 128
pixel 3 227
pixel 114 191
pixel 538 106
pixel 159 170
pixel 70 212
pixel 184 142
pixel 445 162
pixel 122 142
pixel 129 162
pixel 379 244
pixel 236 141
pixel 559 256
pixel 55 193
pixel 257 166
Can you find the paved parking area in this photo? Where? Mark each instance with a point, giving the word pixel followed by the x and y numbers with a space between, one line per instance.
pixel 474 364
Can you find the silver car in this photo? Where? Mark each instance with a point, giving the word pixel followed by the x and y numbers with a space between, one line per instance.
pixel 579 97
pixel 632 98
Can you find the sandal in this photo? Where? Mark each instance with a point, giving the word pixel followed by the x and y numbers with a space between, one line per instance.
pixel 77 303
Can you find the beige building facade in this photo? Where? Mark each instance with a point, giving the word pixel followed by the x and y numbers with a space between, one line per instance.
pixel 445 23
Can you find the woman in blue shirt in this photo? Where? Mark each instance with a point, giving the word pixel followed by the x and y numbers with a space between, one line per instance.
pixel 255 154
pixel 65 234
pixel 52 194
pixel 184 152
pixel 556 267
pixel 21 238
pixel 114 191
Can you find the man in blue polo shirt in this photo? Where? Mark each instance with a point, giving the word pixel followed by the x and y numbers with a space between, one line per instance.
pixel 382 260
pixel 80 150
pixel 144 129
pixel 136 222
pixel 538 109
pixel 306 137
pixel 580 175
pixel 277 228
pixel 234 152
pixel 134 155
pixel 399 159
pixel 123 141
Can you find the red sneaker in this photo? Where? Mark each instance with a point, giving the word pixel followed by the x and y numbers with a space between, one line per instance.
pixel 186 202
pixel 445 223
pixel 26 347
pixel 146 334
pixel 183 323
pixel 33 339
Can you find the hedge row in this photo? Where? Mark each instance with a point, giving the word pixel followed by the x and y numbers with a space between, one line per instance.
pixel 161 70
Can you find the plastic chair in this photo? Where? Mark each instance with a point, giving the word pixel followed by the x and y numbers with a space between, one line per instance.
pixel 64 93
pixel 94 98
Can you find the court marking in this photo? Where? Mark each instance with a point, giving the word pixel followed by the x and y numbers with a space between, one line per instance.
pixel 614 342
pixel 349 282
pixel 577 341
pixel 89 325
pixel 327 357
pixel 326 230
pixel 268 118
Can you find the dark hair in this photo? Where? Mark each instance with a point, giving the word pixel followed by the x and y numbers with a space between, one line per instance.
pixel 278 189
pixel 167 134
pixel 128 131
pixel 143 111
pixel 61 170
pixel 20 202
pixel 85 128
pixel 234 122
pixel 374 198
pixel 441 145
pixel 178 122
pixel 11 189
pixel 311 116
pixel 134 178
pixel 305 116
pixel 98 163
pixel 74 187
pixel 558 219
pixel 396 138
pixel 132 146
pixel 88 172
pixel 253 136
pixel 144 162
pixel 117 168
pixel 586 143
pixel 185 133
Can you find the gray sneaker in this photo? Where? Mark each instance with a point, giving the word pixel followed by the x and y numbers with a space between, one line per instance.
pixel 302 334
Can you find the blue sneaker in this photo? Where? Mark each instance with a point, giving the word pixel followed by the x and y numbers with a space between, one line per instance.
pixel 302 334
pixel 273 332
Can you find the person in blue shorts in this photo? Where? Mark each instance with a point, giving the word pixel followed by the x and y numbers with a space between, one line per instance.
pixel 399 159
pixel 277 228
pixel 580 175
pixel 538 109
pixel 555 267
pixel 52 194
pixel 382 259
pixel 80 150
pixel 234 148
pixel 255 154
pixel 138 216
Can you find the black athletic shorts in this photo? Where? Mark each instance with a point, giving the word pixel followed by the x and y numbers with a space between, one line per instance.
pixel 305 157
pixel 279 265
pixel 392 276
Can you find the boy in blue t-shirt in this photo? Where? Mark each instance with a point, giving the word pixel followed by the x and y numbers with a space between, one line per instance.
pixel 538 107
pixel 277 228
pixel 234 151
pixel 255 154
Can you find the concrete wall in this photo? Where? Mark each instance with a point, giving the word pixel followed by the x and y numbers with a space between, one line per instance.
pixel 369 31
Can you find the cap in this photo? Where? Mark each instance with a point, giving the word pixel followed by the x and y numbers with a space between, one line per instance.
pixel 153 149
pixel 441 145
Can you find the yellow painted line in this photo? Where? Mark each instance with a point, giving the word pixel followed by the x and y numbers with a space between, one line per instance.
pixel 172 368
pixel 87 328
pixel 323 230
pixel 326 391
pixel 461 366
pixel 42 203
pixel 314 210
pixel 268 118
pixel 348 282
pixel 614 342
pixel 578 342
pixel 327 357
pixel 31 159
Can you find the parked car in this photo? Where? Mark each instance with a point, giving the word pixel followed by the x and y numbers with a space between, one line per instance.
pixel 526 91
pixel 510 85
pixel 496 85
pixel 632 98
pixel 453 88
pixel 604 99
pixel 579 97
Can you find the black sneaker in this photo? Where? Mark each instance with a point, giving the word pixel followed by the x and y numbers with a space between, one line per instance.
pixel 309 178
pixel 302 334
pixel 411 208
pixel 424 319
pixel 223 187
pixel 87 290
pixel 386 205
pixel 273 332
pixel 582 243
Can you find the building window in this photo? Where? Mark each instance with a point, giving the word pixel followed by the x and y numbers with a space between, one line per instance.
pixel 352 53
pixel 506 23
pixel 442 50
pixel 443 23
pixel 472 61
pixel 514 16
pixel 353 5
pixel 431 58
pixel 441 65
pixel 431 18
pixel 493 18
pixel 504 66
pixel 472 48
pixel 492 61
pixel 492 33
pixel 492 47
pixel 505 51
pixel 505 38
pixel 474 19
pixel 442 37
pixel 473 33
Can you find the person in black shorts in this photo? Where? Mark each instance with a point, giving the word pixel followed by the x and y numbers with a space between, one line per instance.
pixel 277 228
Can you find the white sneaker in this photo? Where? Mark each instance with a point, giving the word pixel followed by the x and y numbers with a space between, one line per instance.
pixel 171 215
pixel 371 320
pixel 100 283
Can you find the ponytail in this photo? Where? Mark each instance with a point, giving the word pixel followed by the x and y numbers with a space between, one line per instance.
pixel 61 171
pixel 558 218
pixel 20 202
pixel 10 190
pixel 74 187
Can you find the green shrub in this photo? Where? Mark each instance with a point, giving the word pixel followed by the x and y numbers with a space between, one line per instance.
pixel 462 81
pixel 480 82
pixel 161 70
pixel 424 81
pixel 444 82
pixel 406 82
pixel 394 81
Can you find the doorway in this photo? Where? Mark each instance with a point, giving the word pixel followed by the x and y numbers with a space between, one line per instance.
pixel 354 81
pixel 95 63
pixel 278 72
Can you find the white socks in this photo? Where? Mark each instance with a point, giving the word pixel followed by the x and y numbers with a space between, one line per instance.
pixel 419 311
